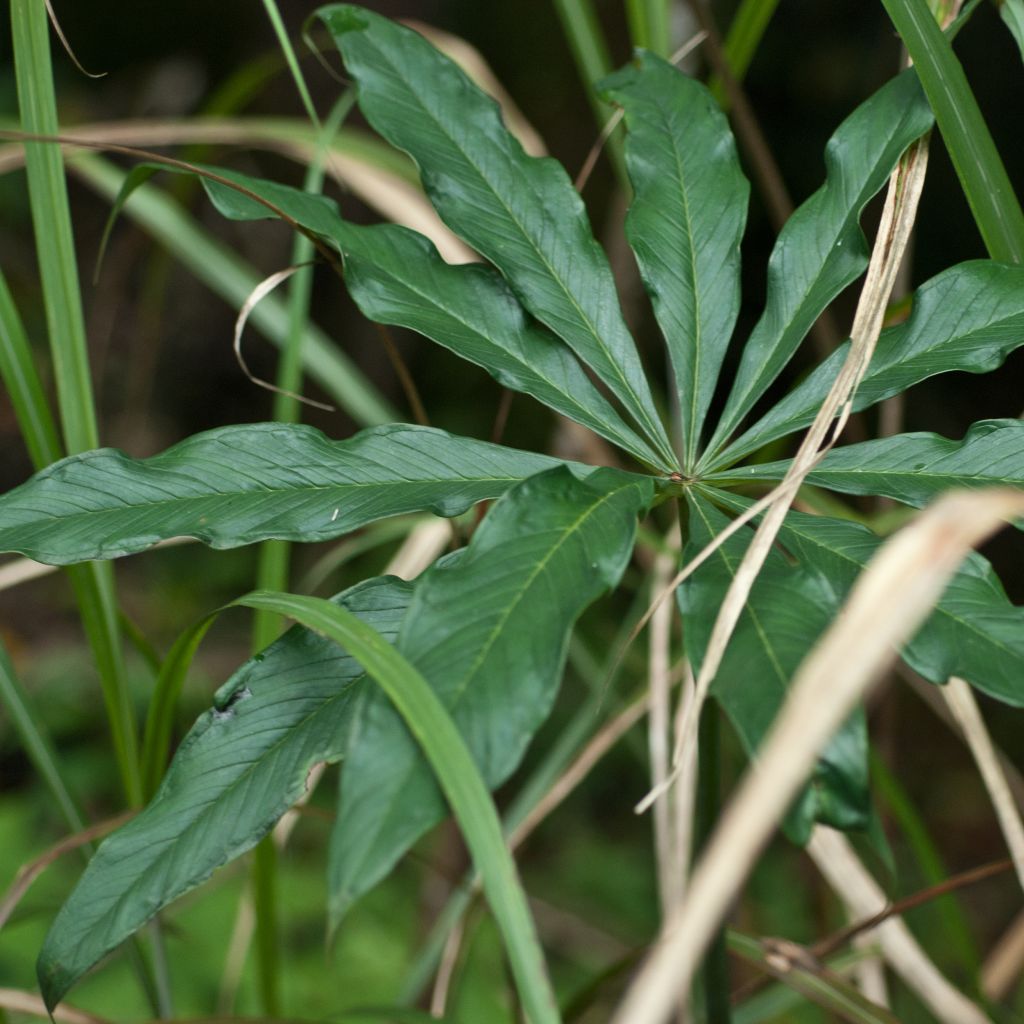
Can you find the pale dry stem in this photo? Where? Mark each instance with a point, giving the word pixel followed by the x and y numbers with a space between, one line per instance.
pixel 886 605
pixel 18 1001
pixel 960 699
pixel 837 861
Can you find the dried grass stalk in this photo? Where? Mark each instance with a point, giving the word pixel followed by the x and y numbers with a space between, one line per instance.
pixel 863 897
pixel 887 604
pixel 960 700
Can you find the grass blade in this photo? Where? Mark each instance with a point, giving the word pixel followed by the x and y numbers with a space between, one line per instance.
pixel 996 210
pixel 456 772
pixel 745 33
pixel 51 218
pixel 37 744
pixel 650 25
pixel 582 31
pixel 21 380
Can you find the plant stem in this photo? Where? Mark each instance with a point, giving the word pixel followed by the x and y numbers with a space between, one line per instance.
pixel 93 583
pixel 997 212
pixel 715 970
pixel 650 25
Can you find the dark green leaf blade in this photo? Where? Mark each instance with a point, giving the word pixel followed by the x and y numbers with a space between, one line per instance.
pixel 396 276
pixel 243 764
pixel 241 484
pixel 975 631
pixel 968 318
pixel 788 609
pixel 489 632
pixel 822 249
pixel 685 223
pixel 988 189
pixel 913 468
pixel 521 212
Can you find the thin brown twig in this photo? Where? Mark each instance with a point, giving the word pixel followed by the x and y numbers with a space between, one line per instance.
pixel 405 378
pixel 813 956
pixel 830 944
pixel 29 872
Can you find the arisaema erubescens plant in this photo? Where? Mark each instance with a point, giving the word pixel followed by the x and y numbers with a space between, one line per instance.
pixel 439 684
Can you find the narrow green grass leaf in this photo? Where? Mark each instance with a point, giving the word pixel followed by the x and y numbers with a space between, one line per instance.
pixel 51 219
pixel 821 986
pixel 650 25
pixel 822 249
pixel 21 381
pixel 966 319
pixel 914 468
pixel 1012 13
pixel 239 769
pixel 521 212
pixel 156 740
pixel 989 192
pixel 457 775
pixel 488 630
pixel 788 609
pixel 231 277
pixel 975 631
pixel 685 223
pixel 241 484
pixel 946 911
pixel 58 270
pixel 746 30
pixel 36 742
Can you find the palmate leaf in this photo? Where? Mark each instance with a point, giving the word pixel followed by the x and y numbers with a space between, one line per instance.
pixel 241 484
pixel 396 276
pixel 788 609
pixel 243 764
pixel 968 318
pixel 914 468
pixel 975 631
pixel 488 630
pixel 521 212
pixel 685 223
pixel 822 249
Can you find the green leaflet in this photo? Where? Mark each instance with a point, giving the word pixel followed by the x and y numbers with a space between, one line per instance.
pixel 240 484
pixel 397 277
pixel 822 248
pixel 975 631
pixel 968 318
pixel 521 212
pixel 243 764
pixel 685 223
pixel 488 631
pixel 788 609
pixel 914 468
